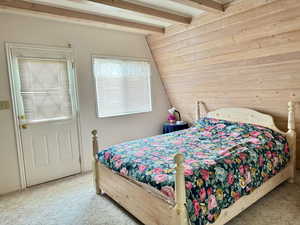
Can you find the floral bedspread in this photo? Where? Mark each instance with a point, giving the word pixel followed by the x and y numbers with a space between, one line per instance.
pixel 223 161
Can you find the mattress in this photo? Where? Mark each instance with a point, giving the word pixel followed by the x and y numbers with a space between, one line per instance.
pixel 223 161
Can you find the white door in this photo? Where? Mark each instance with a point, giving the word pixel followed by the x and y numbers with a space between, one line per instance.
pixel 44 92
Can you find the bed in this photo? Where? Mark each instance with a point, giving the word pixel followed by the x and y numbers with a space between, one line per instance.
pixel 231 158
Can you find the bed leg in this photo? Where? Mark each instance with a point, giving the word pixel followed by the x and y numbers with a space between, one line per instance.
pixel 95 162
pixel 180 193
pixel 291 137
pixel 98 190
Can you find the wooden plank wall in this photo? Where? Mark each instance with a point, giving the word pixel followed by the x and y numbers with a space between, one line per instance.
pixel 248 57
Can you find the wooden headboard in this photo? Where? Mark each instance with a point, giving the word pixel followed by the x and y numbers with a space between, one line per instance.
pixel 245 115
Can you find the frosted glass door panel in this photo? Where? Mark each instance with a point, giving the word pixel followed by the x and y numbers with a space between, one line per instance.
pixel 44 88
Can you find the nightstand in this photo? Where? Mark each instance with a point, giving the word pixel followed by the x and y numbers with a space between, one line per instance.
pixel 171 127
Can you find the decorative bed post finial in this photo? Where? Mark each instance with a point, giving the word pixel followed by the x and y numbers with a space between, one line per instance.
pixel 291 136
pixel 95 160
pixel 180 194
pixel 201 113
pixel 95 143
pixel 291 118
pixel 94 132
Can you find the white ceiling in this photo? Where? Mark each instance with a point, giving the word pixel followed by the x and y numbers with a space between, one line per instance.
pixel 96 8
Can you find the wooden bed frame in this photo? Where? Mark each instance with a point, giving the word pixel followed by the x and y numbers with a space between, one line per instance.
pixel 151 207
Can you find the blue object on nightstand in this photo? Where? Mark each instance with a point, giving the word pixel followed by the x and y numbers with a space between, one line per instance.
pixel 171 127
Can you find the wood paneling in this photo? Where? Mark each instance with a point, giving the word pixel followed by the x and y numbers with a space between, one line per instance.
pixel 249 57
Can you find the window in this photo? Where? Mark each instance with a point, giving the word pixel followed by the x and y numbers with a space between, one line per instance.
pixel 44 89
pixel 122 86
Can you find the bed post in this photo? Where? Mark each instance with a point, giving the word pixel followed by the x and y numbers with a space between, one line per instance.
pixel 291 136
pixel 95 161
pixel 180 194
pixel 199 113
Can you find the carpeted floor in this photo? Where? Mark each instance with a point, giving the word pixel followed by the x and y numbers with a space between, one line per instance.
pixel 72 201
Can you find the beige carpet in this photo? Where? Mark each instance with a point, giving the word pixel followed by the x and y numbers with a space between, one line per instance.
pixel 72 201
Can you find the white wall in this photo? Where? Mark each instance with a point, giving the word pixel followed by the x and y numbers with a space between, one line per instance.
pixel 85 41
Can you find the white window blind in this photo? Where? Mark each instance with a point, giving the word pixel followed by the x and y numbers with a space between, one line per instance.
pixel 44 88
pixel 122 86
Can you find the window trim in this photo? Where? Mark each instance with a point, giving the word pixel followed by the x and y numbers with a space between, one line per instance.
pixel 125 58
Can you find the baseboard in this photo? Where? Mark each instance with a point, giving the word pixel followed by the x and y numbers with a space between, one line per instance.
pixel 10 191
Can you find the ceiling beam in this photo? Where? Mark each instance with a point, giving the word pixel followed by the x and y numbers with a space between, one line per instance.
pixel 121 4
pixel 206 5
pixel 71 14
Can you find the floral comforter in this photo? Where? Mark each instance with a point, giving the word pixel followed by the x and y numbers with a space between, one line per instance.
pixel 223 161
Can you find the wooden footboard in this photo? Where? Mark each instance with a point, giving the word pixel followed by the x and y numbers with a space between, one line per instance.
pixel 153 208
pixel 138 199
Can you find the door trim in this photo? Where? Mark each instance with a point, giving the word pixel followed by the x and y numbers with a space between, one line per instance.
pixel 9 46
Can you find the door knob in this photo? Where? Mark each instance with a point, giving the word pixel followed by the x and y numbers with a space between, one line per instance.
pixel 24 126
pixel 22 117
